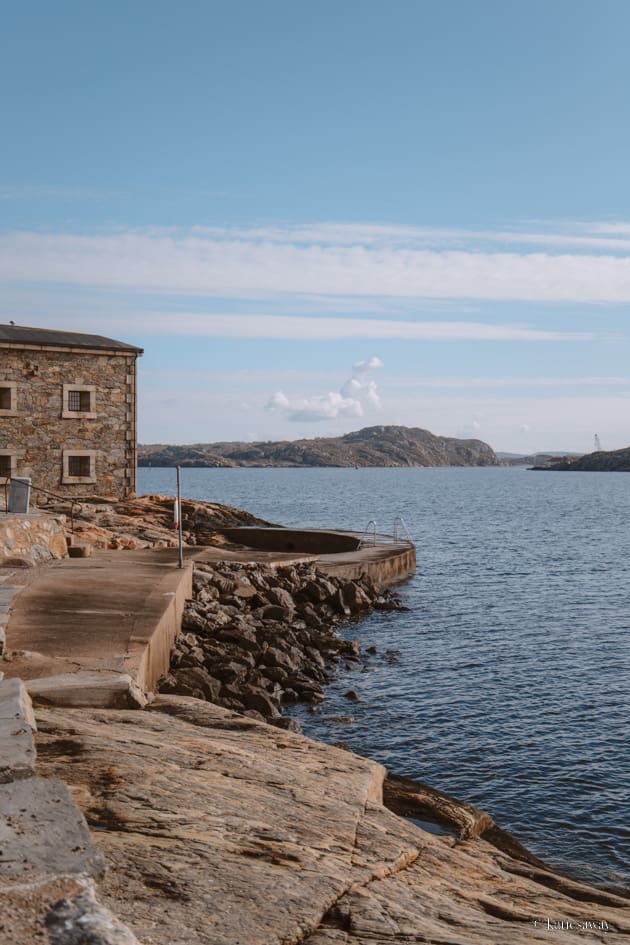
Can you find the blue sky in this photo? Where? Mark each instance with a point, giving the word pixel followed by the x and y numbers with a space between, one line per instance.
pixel 321 216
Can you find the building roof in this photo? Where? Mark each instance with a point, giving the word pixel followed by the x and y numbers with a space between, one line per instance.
pixel 21 335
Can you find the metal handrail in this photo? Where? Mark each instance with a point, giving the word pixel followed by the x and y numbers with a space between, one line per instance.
pixel 73 500
pixel 369 535
pixel 399 522
pixel 366 531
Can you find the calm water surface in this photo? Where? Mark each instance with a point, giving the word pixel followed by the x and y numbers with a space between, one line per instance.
pixel 507 683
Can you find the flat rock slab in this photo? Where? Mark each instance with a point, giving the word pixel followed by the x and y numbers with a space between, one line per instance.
pixel 62 910
pixel 42 831
pixel 219 830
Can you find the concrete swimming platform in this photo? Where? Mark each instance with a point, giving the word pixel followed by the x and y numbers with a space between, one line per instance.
pixel 99 630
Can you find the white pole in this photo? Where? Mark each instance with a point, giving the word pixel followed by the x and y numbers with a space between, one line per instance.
pixel 179 517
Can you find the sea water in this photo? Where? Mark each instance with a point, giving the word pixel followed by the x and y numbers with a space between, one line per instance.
pixel 507 682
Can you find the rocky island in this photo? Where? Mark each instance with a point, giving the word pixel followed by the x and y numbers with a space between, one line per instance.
pixel 600 461
pixel 371 446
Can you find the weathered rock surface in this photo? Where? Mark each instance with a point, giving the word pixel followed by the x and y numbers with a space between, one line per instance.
pixel 57 910
pixel 218 830
pixel 42 831
pixel 372 446
pixel 147 522
pixel 47 857
pixel 253 640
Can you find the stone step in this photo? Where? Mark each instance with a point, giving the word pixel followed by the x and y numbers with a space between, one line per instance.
pixel 17 724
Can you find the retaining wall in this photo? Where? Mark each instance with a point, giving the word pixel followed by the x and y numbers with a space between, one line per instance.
pixel 32 538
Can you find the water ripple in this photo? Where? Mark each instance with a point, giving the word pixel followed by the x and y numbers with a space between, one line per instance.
pixel 510 681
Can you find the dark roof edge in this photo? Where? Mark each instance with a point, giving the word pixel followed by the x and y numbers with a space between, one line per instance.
pixel 49 338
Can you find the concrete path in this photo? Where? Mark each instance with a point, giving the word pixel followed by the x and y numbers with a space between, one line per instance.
pixel 102 625
pixel 98 631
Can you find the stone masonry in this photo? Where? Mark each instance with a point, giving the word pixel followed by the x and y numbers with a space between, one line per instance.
pixel 68 412
pixel 34 538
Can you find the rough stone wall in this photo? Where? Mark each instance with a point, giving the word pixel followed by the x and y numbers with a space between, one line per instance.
pixel 34 537
pixel 40 428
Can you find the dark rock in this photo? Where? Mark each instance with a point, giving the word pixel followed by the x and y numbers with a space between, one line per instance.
pixel 194 657
pixel 192 620
pixel 311 618
pixel 281 597
pixel 274 673
pixel 258 699
pixel 351 694
pixel 229 671
pixel 245 591
pixel 290 696
pixel 276 612
pixel 196 677
pixel 289 725
pixel 350 647
pixel 354 598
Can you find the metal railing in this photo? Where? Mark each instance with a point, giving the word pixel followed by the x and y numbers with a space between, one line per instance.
pixel 370 536
pixel 71 500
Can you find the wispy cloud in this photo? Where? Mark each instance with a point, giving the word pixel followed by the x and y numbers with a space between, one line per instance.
pixel 335 329
pixel 421 383
pixel 374 263
pixel 19 192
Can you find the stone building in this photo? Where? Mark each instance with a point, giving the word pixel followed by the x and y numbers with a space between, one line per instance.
pixel 68 411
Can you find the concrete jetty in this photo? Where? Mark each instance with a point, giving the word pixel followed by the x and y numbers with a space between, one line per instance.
pixel 99 630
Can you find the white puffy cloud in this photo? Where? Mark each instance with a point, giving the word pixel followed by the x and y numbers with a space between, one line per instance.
pixel 357 394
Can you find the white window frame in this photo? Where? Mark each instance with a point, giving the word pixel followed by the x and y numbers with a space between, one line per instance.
pixel 68 414
pixel 12 410
pixel 66 478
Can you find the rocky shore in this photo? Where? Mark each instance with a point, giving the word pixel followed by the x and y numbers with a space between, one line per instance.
pixel 256 638
pixel 217 828
pixel 600 461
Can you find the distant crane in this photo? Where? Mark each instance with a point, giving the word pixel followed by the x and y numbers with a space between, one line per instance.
pixel 598 444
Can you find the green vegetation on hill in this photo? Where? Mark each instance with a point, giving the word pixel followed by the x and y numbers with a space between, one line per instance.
pixel 372 446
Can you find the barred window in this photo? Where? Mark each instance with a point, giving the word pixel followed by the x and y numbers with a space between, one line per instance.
pixel 79 466
pixel 79 400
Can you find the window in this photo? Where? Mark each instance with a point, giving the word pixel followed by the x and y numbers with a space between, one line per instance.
pixel 8 405
pixel 79 402
pixel 5 467
pixel 79 466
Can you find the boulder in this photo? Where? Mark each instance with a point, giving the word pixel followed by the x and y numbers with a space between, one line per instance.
pixel 280 596
pixel 258 699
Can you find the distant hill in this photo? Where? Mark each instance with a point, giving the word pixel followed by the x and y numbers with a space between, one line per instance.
pixel 372 446
pixel 602 461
